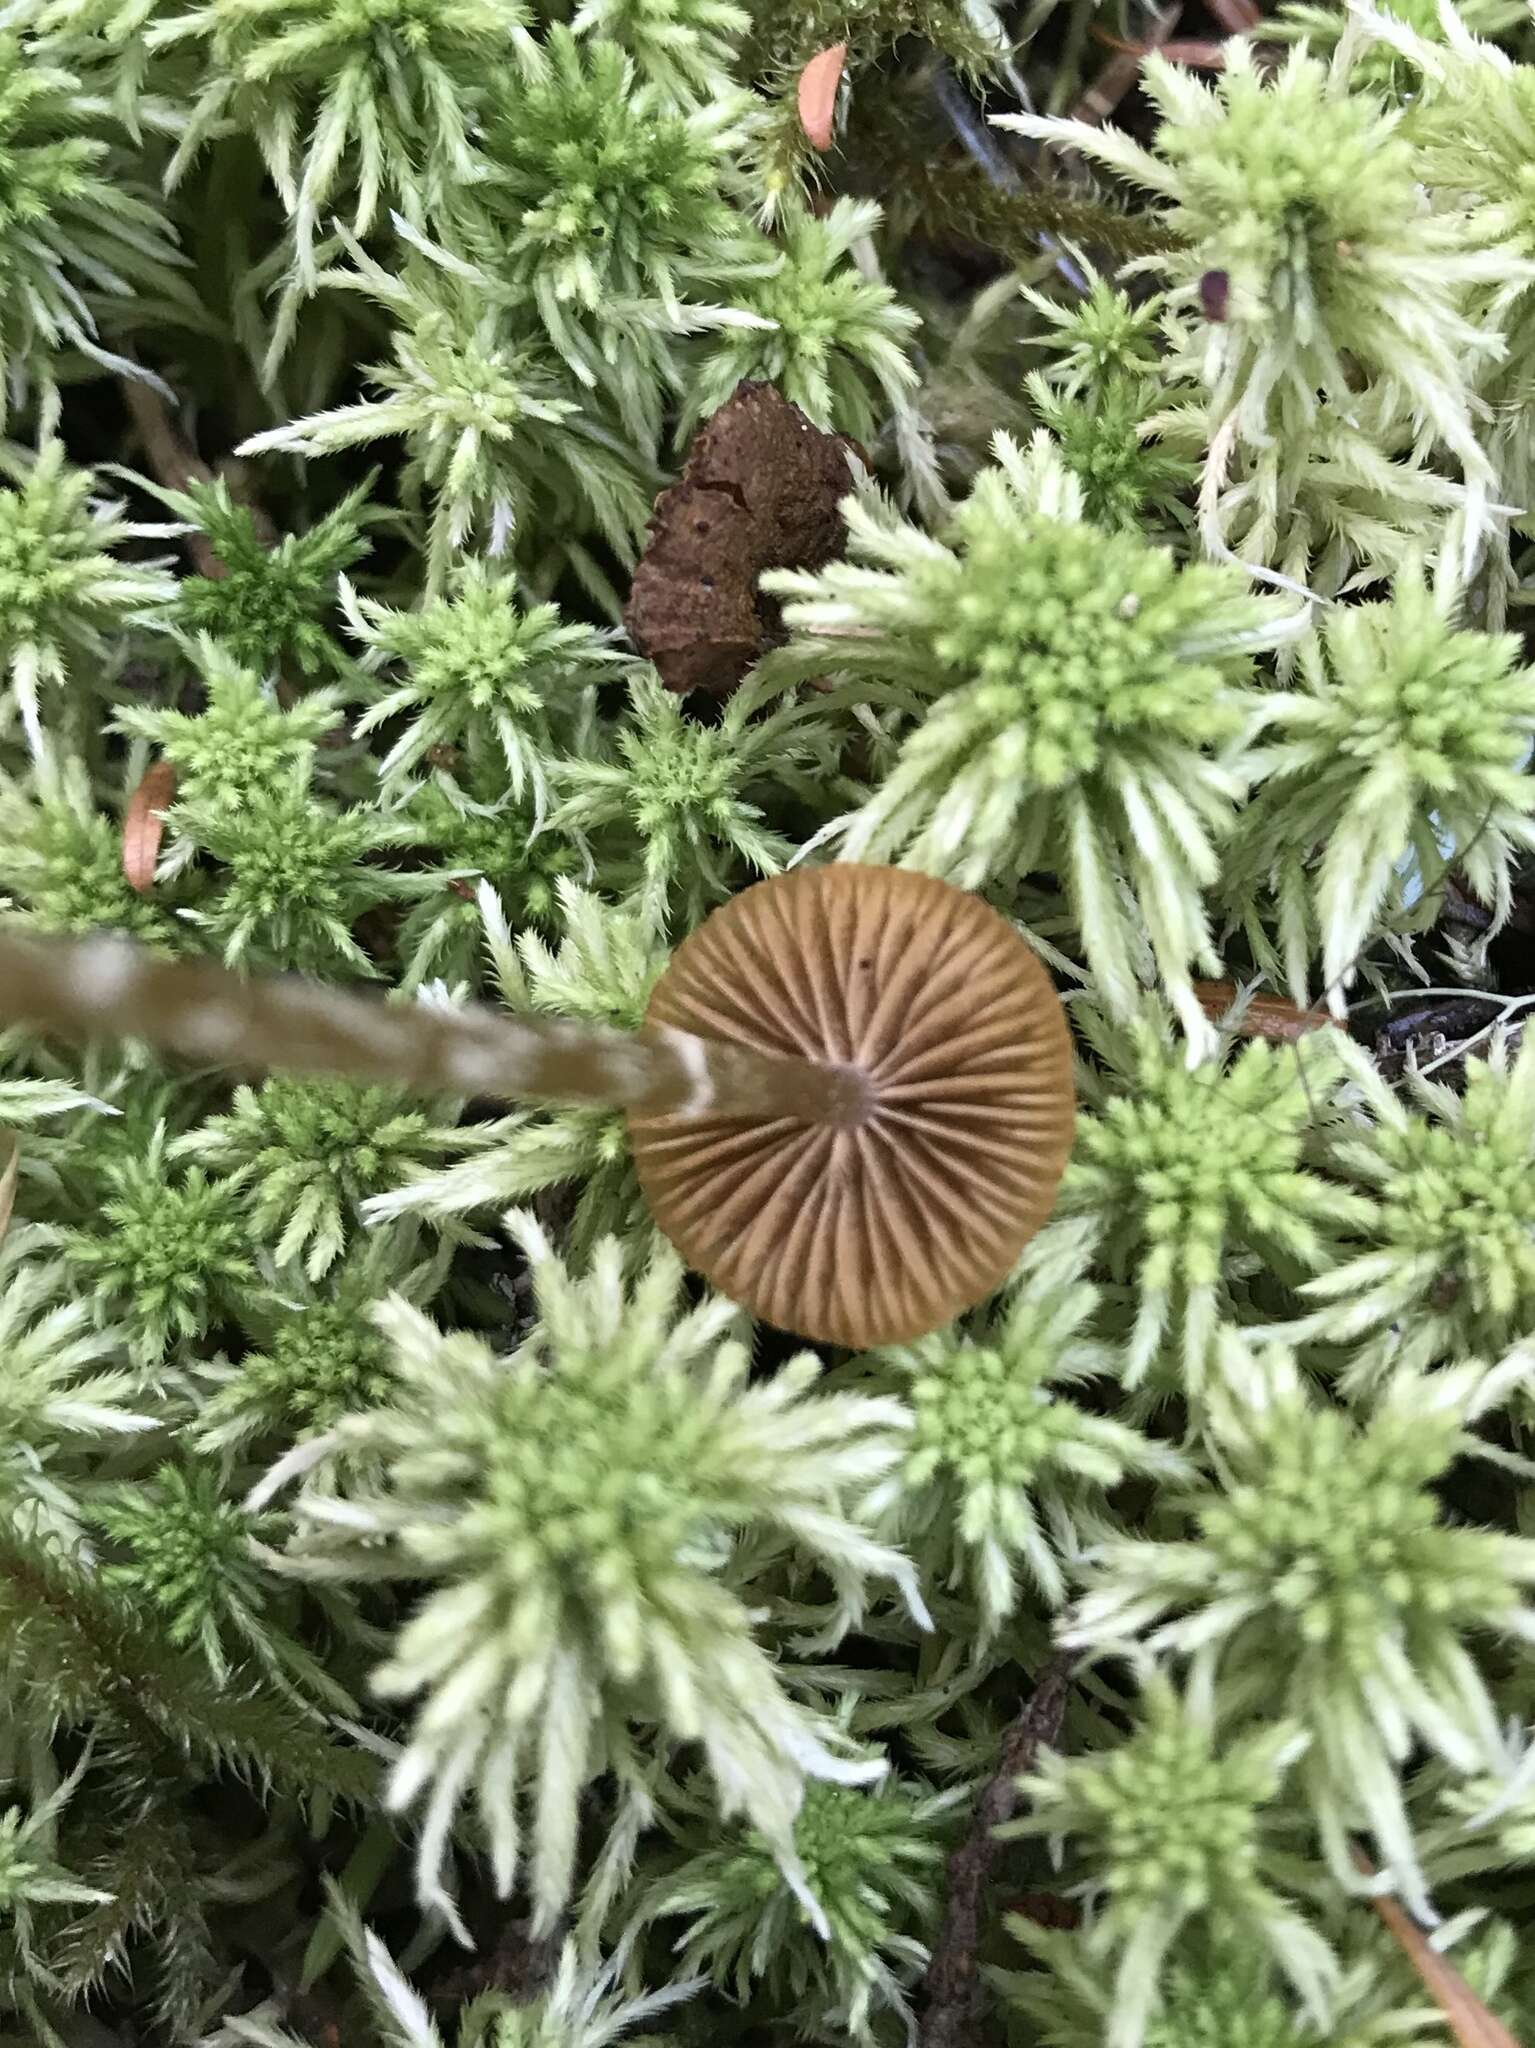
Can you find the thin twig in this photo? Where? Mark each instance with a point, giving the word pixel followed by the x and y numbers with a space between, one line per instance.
pixel 953 1976
pixel 1423 995
pixel 955 195
pixel 1448 863
pixel 1508 1007
pixel 1464 1046
pixel 982 145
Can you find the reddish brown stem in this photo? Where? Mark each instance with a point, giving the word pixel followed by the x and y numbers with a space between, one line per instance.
pixel 1469 2019
pixel 174 461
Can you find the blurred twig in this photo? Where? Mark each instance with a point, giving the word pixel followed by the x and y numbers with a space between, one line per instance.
pixel 1119 74
pixel 954 1994
pixel 175 462
pixel 1470 2021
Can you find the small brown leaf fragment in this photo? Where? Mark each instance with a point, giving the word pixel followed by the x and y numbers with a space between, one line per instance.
pixel 144 825
pixel 9 1176
pixel 1472 2024
pixel 1262 1016
pixel 818 85
pixel 761 489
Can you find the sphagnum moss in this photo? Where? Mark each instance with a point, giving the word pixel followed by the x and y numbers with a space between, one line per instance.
pixel 1160 507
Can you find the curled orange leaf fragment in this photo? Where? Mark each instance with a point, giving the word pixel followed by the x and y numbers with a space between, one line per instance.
pixel 144 825
pixel 818 84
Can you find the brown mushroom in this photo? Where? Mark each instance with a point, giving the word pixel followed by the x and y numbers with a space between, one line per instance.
pixel 875 1218
pixel 850 1106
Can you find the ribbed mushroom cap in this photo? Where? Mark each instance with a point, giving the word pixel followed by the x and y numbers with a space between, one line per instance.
pixel 879 1228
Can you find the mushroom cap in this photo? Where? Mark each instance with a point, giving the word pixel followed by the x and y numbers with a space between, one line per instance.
pixel 879 1230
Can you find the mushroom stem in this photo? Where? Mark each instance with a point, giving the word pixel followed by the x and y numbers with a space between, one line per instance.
pixel 106 986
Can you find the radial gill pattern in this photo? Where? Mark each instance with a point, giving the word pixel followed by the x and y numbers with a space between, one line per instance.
pixel 875 1231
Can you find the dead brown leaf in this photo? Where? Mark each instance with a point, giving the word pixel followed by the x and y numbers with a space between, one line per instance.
pixel 818 86
pixel 760 489
pixel 144 825
pixel 1263 1017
